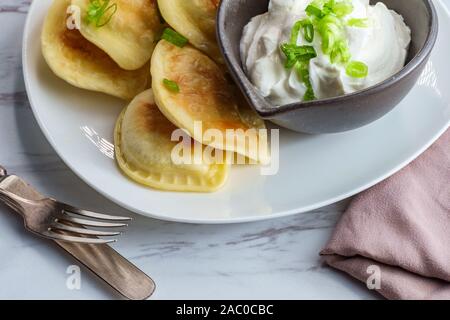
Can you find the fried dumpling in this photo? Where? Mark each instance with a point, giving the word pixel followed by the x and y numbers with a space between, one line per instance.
pixel 144 148
pixel 82 64
pixel 204 98
pixel 196 20
pixel 128 32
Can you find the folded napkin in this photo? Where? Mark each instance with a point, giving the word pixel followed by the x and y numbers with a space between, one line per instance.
pixel 396 236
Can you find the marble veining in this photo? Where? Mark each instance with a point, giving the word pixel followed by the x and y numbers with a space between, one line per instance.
pixel 271 259
pixel 10 6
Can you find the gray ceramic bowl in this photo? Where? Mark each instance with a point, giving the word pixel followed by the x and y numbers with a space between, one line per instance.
pixel 341 113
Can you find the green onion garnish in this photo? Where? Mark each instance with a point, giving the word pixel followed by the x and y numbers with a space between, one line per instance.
pixel 295 31
pixel 309 94
pixel 328 40
pixel 303 72
pixel 340 53
pixel 358 23
pixel 100 12
pixel 171 85
pixel 326 17
pixel 299 56
pixel 342 8
pixel 313 11
pixel 308 32
pixel 296 53
pixel 357 69
pixel 307 28
pixel 331 28
pixel 174 37
pixel 331 31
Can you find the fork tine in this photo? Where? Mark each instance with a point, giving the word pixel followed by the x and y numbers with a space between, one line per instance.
pixel 63 227
pixel 57 236
pixel 92 223
pixel 95 215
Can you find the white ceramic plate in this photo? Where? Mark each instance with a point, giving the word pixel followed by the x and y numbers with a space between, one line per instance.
pixel 314 170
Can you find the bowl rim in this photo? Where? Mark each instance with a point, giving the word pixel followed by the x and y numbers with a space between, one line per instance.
pixel 418 59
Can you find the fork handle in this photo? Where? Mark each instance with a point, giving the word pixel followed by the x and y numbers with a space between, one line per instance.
pixel 12 200
pixel 3 172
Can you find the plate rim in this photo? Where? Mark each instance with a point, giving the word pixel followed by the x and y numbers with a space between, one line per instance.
pixel 215 221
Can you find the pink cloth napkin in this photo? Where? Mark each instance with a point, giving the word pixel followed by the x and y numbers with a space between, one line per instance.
pixel 396 236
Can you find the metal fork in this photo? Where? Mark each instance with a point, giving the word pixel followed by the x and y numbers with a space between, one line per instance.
pixel 58 221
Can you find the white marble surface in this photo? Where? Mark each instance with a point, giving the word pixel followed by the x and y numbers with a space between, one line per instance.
pixel 266 260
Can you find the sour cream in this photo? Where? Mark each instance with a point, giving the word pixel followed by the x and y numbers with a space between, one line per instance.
pixel 382 46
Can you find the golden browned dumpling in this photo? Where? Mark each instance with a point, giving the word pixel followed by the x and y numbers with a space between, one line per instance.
pixel 144 151
pixel 82 64
pixel 128 32
pixel 196 20
pixel 205 97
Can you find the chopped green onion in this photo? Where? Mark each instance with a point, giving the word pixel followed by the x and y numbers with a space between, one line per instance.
pixel 343 8
pixel 327 18
pixel 328 6
pixel 308 32
pixel 328 40
pixel 357 69
pixel 330 20
pixel 171 85
pixel 331 31
pixel 340 53
pixel 313 11
pixel 174 37
pixel 358 23
pixel 100 12
pixel 303 72
pixel 309 94
pixel 296 53
pixel 295 31
pixel 299 56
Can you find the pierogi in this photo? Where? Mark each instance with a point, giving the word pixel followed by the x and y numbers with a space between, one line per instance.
pixel 196 20
pixel 133 27
pixel 79 62
pixel 206 102
pixel 144 151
